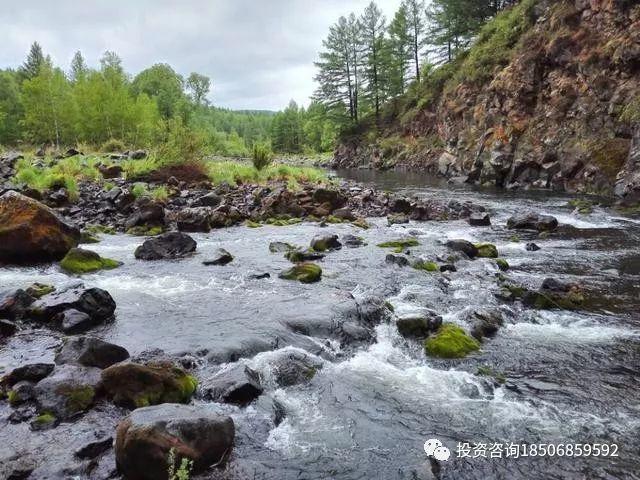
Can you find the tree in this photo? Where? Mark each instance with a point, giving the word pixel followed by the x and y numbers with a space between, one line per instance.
pixel 286 130
pixel 111 62
pixel 10 107
pixel 400 49
pixel 199 86
pixel 415 19
pixel 373 27
pixel 79 67
pixel 35 60
pixel 163 84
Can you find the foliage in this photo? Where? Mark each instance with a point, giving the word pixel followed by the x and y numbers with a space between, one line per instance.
pixel 261 156
pixel 631 112
pixel 236 172
pixel 450 341
pixel 183 471
pixel 113 145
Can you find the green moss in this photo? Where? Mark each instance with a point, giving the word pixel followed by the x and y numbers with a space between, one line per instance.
pixel 94 229
pixel 361 223
pixel 399 245
pixel 486 250
pixel 79 261
pixel 88 238
pixel 514 238
pixel 252 224
pixel 584 206
pixel 389 306
pixel 502 264
pixel 450 341
pixel 426 266
pixel 38 290
pixel 78 398
pixel 333 219
pixel 303 272
pixel 145 231
pixel 13 397
pixel 282 222
pixel 44 419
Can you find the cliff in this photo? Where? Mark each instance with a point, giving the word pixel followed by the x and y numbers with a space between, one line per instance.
pixel 548 97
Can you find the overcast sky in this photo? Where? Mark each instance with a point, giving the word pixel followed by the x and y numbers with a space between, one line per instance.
pixel 258 53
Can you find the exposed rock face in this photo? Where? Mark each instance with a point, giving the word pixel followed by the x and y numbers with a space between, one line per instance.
pixel 167 246
pixel 31 232
pixel 549 116
pixel 145 437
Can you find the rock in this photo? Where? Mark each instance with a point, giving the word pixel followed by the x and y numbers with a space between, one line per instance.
pixel 259 276
pixel 420 326
pixel 39 290
pixel 303 272
pixel 91 352
pixel 138 154
pixel 149 214
pixel 297 256
pixel 94 449
pixel 400 205
pixel 627 186
pixel 111 171
pixel 31 232
pixel 132 385
pixel 479 220
pixel 344 214
pixel 533 221
pixel 280 247
pixel 399 260
pixel 333 197
pixel 33 372
pixel 397 219
pixel 323 243
pixel 450 341
pixel 448 267
pixel 72 152
pixel 555 294
pixel 95 302
pixel 485 323
pixel 15 304
pixel 69 391
pixel 532 247
pixel 502 264
pixel 21 392
pixel 73 321
pixel 400 245
pixel 44 421
pixel 351 241
pixel 7 328
pixel 209 200
pixel 464 246
pixel 239 385
pixel 193 220
pixel 486 250
pixel 145 438
pixel 79 261
pixel 222 257
pixel 421 264
pixel 166 246
pixel 292 367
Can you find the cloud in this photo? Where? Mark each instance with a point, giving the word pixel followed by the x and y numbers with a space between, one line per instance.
pixel 258 53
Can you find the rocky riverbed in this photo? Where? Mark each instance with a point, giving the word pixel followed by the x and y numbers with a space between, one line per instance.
pixel 207 342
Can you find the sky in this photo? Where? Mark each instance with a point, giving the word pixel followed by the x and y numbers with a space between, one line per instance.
pixel 259 54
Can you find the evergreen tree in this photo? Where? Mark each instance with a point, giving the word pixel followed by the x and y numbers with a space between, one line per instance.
pixel 79 67
pixel 373 27
pixel 415 18
pixel 10 107
pixel 399 45
pixel 35 60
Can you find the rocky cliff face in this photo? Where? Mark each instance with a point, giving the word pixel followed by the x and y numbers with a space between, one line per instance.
pixel 560 113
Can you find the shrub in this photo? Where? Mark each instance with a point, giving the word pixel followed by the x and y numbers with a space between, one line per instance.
pixel 261 156
pixel 184 469
pixel 113 145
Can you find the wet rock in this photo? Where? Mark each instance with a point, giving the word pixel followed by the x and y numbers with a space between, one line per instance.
pixel 95 302
pixel 145 438
pixel 44 421
pixel 448 267
pixel 147 214
pixel 399 260
pixel 91 352
pixel 309 255
pixel 111 171
pixel 280 247
pixel 221 257
pixel 240 348
pixel 502 264
pixel 485 323
pixel 211 199
pixel 400 205
pixel 397 219
pixel 351 241
pixel 533 221
pixel 303 272
pixel 532 247
pixel 33 372
pixel 94 449
pixel 292 367
pixel 21 392
pixel 15 304
pixel 238 385
pixel 132 385
pixel 259 276
pixel 420 326
pixel 334 198
pixel 555 294
pixel 79 261
pixel 193 220
pixel 450 341
pixel 73 321
pixel 479 220
pixel 70 390
pixel 486 250
pixel 7 328
pixel 170 245
pixel 137 154
pixel 344 214
pixel 31 232
pixel 463 246
pixel 323 243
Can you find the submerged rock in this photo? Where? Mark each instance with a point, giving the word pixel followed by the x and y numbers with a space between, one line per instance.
pixel 132 385
pixel 280 247
pixel 351 241
pixel 486 250
pixel 303 272
pixel 31 232
pixel 555 294
pixel 91 352
pixel 239 385
pixel 79 261
pixel 170 245
pixel 297 256
pixel 323 243
pixel 464 246
pixel 145 438
pixel 399 260
pixel 450 341
pixel 292 367
pixel 419 326
pixel 533 221
pixel 221 257
pixel 485 323
pixel 532 247
pixel 479 220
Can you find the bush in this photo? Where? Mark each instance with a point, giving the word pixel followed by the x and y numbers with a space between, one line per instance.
pixel 261 156
pixel 113 145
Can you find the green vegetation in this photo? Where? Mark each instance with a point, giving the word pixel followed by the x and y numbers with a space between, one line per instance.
pixel 450 341
pixel 262 156
pixel 44 418
pixel 503 265
pixel 487 250
pixel 79 261
pixel 426 266
pixel 399 245
pixel 183 472
pixel 13 398
pixel 78 399
pixel 38 290
pixel 303 272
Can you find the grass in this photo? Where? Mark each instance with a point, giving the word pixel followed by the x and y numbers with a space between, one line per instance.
pixel 261 156
pixel 238 173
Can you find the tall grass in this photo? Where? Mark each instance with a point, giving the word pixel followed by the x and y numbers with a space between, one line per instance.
pixel 236 172
pixel 262 156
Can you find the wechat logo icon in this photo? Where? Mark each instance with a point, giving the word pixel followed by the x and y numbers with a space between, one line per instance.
pixel 434 448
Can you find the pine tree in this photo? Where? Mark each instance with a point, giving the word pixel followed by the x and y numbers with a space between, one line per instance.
pixel 415 19
pixel 399 45
pixel 35 60
pixel 373 27
pixel 79 67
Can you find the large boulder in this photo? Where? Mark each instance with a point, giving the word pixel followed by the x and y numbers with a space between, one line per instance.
pixel 239 385
pixel 419 326
pixel 69 391
pixel 463 246
pixel 193 220
pixel 132 385
pixel 145 438
pixel 95 302
pixel 166 246
pixel 31 232
pixel 91 352
pixel 533 221
pixel 147 214
pixel 79 261
pixel 32 372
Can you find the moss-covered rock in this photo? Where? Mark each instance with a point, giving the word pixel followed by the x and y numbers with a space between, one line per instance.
pixel 426 266
pixel 282 222
pixel 487 250
pixel 44 421
pixel 503 265
pixel 79 261
pixel 486 371
pixel 297 256
pixel 399 245
pixel 38 290
pixel 303 272
pixel 252 224
pixel 361 223
pixel 145 231
pixel 133 385
pixel 99 229
pixel 450 341
pixel 88 238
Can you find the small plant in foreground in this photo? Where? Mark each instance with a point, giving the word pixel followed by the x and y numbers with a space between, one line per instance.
pixel 183 472
pixel 261 156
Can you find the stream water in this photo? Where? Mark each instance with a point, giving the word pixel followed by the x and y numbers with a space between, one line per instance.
pixel 571 377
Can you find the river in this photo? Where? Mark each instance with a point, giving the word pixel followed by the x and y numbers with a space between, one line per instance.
pixel 571 377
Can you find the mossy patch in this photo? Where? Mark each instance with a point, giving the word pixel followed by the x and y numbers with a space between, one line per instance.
pixel 13 398
pixel 583 206
pixel 145 231
pixel 426 266
pixel 486 371
pixel 252 224
pixel 399 245
pixel 79 261
pixel 99 230
pixel 282 222
pixel 88 238
pixel 38 290
pixel 450 341
pixel 486 250
pixel 503 265
pixel 303 272
pixel 78 398
pixel 44 418
pixel 361 223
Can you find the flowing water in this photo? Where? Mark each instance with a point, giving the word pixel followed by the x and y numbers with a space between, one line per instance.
pixel 571 377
